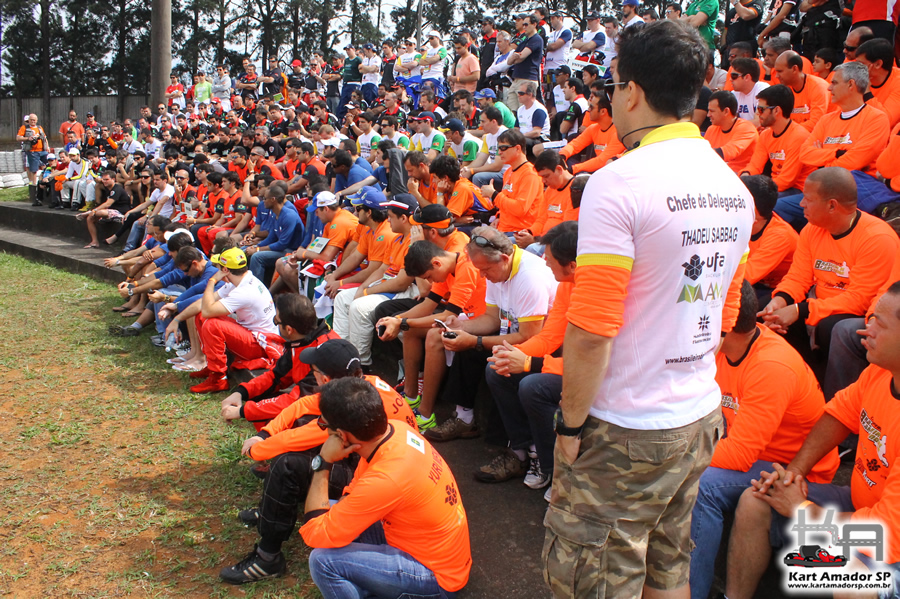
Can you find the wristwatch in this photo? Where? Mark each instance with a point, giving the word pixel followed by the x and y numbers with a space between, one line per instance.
pixel 404 326
pixel 479 345
pixel 559 425
pixel 318 464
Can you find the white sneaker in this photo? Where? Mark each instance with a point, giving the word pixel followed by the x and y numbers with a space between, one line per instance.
pixel 548 493
pixel 535 478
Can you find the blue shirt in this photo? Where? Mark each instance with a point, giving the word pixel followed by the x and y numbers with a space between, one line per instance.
pixel 288 231
pixel 365 164
pixel 530 68
pixel 195 286
pixel 356 174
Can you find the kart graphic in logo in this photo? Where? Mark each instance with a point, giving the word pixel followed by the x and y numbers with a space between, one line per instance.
pixel 813 556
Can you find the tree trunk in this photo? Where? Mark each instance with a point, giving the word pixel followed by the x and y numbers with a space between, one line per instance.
pixel 323 29
pixel 195 47
pixel 120 72
pixel 45 63
pixel 220 33
pixel 160 48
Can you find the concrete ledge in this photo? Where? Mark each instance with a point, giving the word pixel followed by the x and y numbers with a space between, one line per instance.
pixel 22 216
pixel 64 253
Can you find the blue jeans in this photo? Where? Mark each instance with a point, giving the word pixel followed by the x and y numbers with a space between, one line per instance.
pixel 479 179
pixel 175 291
pixel 348 89
pixel 134 237
pixel 369 92
pixel 846 356
pixel 788 208
pixel 718 494
pixel 369 567
pixel 264 262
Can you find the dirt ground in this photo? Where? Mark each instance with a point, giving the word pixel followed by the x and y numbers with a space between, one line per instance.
pixel 116 481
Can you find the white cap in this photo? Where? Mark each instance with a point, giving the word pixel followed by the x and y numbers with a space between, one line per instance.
pixel 325 198
pixel 170 234
pixel 434 33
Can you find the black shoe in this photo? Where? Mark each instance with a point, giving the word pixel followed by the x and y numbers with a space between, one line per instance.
pixel 249 517
pixel 158 340
pixel 253 568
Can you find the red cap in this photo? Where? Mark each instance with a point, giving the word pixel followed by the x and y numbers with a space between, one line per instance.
pixel 297 63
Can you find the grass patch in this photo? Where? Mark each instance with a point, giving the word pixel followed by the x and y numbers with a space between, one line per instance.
pixel 118 481
pixel 14 194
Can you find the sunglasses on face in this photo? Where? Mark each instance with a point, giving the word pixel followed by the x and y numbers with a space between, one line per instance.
pixel 503 148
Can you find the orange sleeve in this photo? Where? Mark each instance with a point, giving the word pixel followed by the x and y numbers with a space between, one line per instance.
pixel 583 140
pixel 888 163
pixel 598 300
pixel 733 298
pixel 738 141
pixel 870 139
pixel 613 148
pixel 760 157
pixel 770 254
pixel 373 496
pixel 284 438
pixel 791 166
pixel 551 336
pixel 754 426
pixel 798 280
pixel 465 284
pixel 813 156
pixel 869 272
pixel 892 278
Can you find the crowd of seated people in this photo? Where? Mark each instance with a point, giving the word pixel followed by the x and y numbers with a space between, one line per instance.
pixel 301 241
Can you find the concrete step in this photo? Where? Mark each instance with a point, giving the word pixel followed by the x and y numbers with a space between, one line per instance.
pixel 23 216
pixel 62 252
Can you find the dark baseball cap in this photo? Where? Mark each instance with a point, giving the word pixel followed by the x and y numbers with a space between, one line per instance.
pixel 335 358
pixel 436 216
pixel 455 125
pixel 593 15
pixel 402 201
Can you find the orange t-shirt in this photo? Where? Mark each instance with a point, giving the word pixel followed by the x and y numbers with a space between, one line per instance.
pixel 455 242
pixel 771 253
pixel 869 407
pixel 606 146
pixel 36 133
pixel 765 421
pixel 550 338
pixel 241 172
pixel 407 486
pixel 429 190
pixel 846 271
pixel 340 230
pixel 736 144
pixel 466 66
pixel 556 208
pixel 889 95
pixel 518 202
pixel 466 199
pixel 861 138
pixel 811 102
pixel 783 152
pixel 888 163
pixel 397 255
pixel 464 289
pixel 376 245
pixel 281 435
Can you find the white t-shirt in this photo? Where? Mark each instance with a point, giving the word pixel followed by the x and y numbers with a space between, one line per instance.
pixel 436 70
pixel 559 99
pixel 465 151
pixel 536 116
pixel 682 233
pixel 168 193
pixel 557 58
pixel 489 147
pixel 747 103
pixel 527 295
pixel 151 148
pixel 250 304
pixel 367 142
pixel 372 77
pixel 423 143
pixel 409 57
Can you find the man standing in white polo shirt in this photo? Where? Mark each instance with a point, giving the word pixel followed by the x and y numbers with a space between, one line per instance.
pixel 660 262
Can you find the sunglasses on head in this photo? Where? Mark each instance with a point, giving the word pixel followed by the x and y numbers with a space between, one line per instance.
pixel 484 242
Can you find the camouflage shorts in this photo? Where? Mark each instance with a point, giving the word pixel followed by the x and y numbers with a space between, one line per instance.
pixel 620 516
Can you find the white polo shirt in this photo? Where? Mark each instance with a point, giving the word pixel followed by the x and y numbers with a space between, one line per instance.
pixel 526 296
pixel 677 219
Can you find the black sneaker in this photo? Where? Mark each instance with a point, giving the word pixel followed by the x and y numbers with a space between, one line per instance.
pixel 253 568
pixel 120 331
pixel 249 517
pixel 158 340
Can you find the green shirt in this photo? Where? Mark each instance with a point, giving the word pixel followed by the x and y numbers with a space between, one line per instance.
pixel 711 9
pixel 509 119
pixel 202 92
pixel 351 73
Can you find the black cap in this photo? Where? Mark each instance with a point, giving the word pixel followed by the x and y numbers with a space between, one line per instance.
pixel 335 358
pixel 593 15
